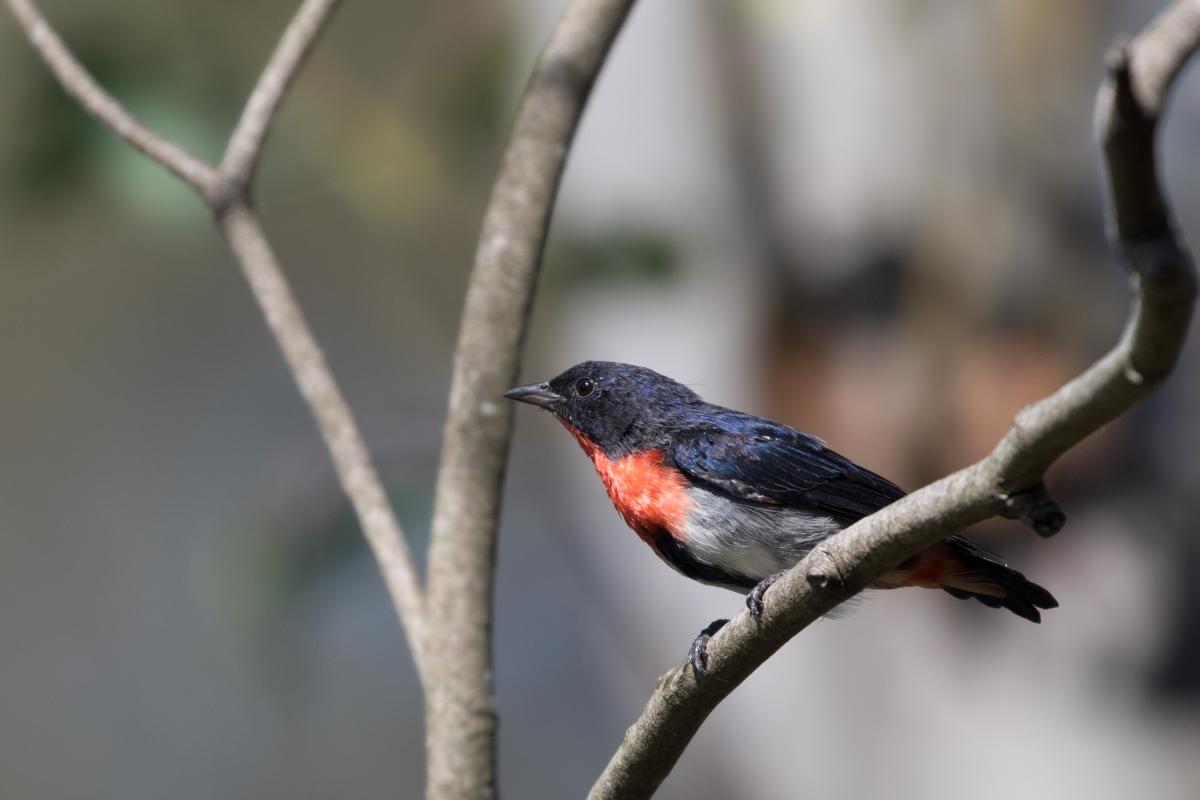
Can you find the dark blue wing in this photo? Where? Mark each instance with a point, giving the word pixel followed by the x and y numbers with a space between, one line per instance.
pixel 758 461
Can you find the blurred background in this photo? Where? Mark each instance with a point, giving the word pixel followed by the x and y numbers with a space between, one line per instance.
pixel 879 221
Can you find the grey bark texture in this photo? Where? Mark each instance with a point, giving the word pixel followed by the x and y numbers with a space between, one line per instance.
pixel 460 712
pixel 1007 482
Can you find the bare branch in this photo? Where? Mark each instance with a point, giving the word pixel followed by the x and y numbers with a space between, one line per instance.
pixel 460 729
pixel 1161 50
pixel 79 84
pixel 352 461
pixel 1009 480
pixel 1036 508
pixel 355 470
pixel 245 145
pixel 226 193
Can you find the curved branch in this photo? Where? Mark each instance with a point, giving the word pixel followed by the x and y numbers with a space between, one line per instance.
pixel 79 84
pixel 245 145
pixel 1008 481
pixel 460 732
pixel 226 192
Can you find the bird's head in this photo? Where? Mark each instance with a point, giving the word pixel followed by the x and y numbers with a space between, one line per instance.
pixel 620 408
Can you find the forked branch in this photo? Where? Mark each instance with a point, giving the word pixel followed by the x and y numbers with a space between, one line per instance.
pixel 227 192
pixel 79 84
pixel 246 143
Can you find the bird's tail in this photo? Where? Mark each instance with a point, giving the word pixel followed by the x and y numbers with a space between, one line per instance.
pixel 965 570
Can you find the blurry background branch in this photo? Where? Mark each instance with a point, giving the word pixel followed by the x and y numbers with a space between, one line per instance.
pixel 453 651
pixel 78 83
pixel 227 191
pixel 246 141
pixel 1009 481
pixel 460 713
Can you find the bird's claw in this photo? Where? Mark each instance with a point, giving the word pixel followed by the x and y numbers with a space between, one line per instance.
pixel 754 600
pixel 698 653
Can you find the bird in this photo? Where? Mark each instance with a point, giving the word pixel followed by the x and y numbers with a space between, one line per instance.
pixel 734 500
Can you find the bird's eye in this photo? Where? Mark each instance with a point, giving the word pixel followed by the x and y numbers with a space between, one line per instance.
pixel 584 387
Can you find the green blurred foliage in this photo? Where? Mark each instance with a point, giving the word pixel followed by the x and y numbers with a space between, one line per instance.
pixel 615 256
pixel 472 110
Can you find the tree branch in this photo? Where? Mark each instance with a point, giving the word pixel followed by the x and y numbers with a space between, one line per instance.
pixel 246 142
pixel 460 715
pixel 79 84
pixel 227 192
pixel 1009 480
pixel 352 461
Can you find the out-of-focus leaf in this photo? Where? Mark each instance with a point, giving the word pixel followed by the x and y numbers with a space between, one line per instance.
pixel 57 147
pixel 152 194
pixel 623 255
pixel 269 568
pixel 473 105
pixel 53 141
pixel 388 167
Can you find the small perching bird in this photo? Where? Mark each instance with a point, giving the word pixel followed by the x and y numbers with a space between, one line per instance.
pixel 734 500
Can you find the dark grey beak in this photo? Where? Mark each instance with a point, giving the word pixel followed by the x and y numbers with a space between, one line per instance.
pixel 536 394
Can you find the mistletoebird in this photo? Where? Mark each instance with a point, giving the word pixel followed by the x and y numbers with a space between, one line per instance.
pixel 734 500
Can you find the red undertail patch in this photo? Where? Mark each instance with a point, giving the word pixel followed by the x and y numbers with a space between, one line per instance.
pixel 929 569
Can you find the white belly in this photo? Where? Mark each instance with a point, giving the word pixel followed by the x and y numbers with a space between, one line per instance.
pixel 751 540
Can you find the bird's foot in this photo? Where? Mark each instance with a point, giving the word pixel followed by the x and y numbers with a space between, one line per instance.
pixel 698 653
pixel 754 600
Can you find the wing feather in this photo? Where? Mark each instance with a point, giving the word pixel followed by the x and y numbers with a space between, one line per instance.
pixel 762 462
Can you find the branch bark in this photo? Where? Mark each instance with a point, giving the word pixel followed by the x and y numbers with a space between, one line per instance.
pixel 460 713
pixel 1008 481
pixel 227 192
pixel 355 470
pixel 246 143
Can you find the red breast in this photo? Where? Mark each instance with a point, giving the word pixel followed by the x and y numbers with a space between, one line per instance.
pixel 651 496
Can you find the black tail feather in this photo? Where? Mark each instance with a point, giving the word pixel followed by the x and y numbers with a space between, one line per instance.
pixel 999 585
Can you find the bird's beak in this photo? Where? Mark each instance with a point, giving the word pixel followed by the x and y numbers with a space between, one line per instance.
pixel 536 394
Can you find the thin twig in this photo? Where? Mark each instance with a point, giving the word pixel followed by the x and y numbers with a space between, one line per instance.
pixel 245 145
pixel 355 470
pixel 460 714
pixel 227 193
pixel 79 84
pixel 1008 481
